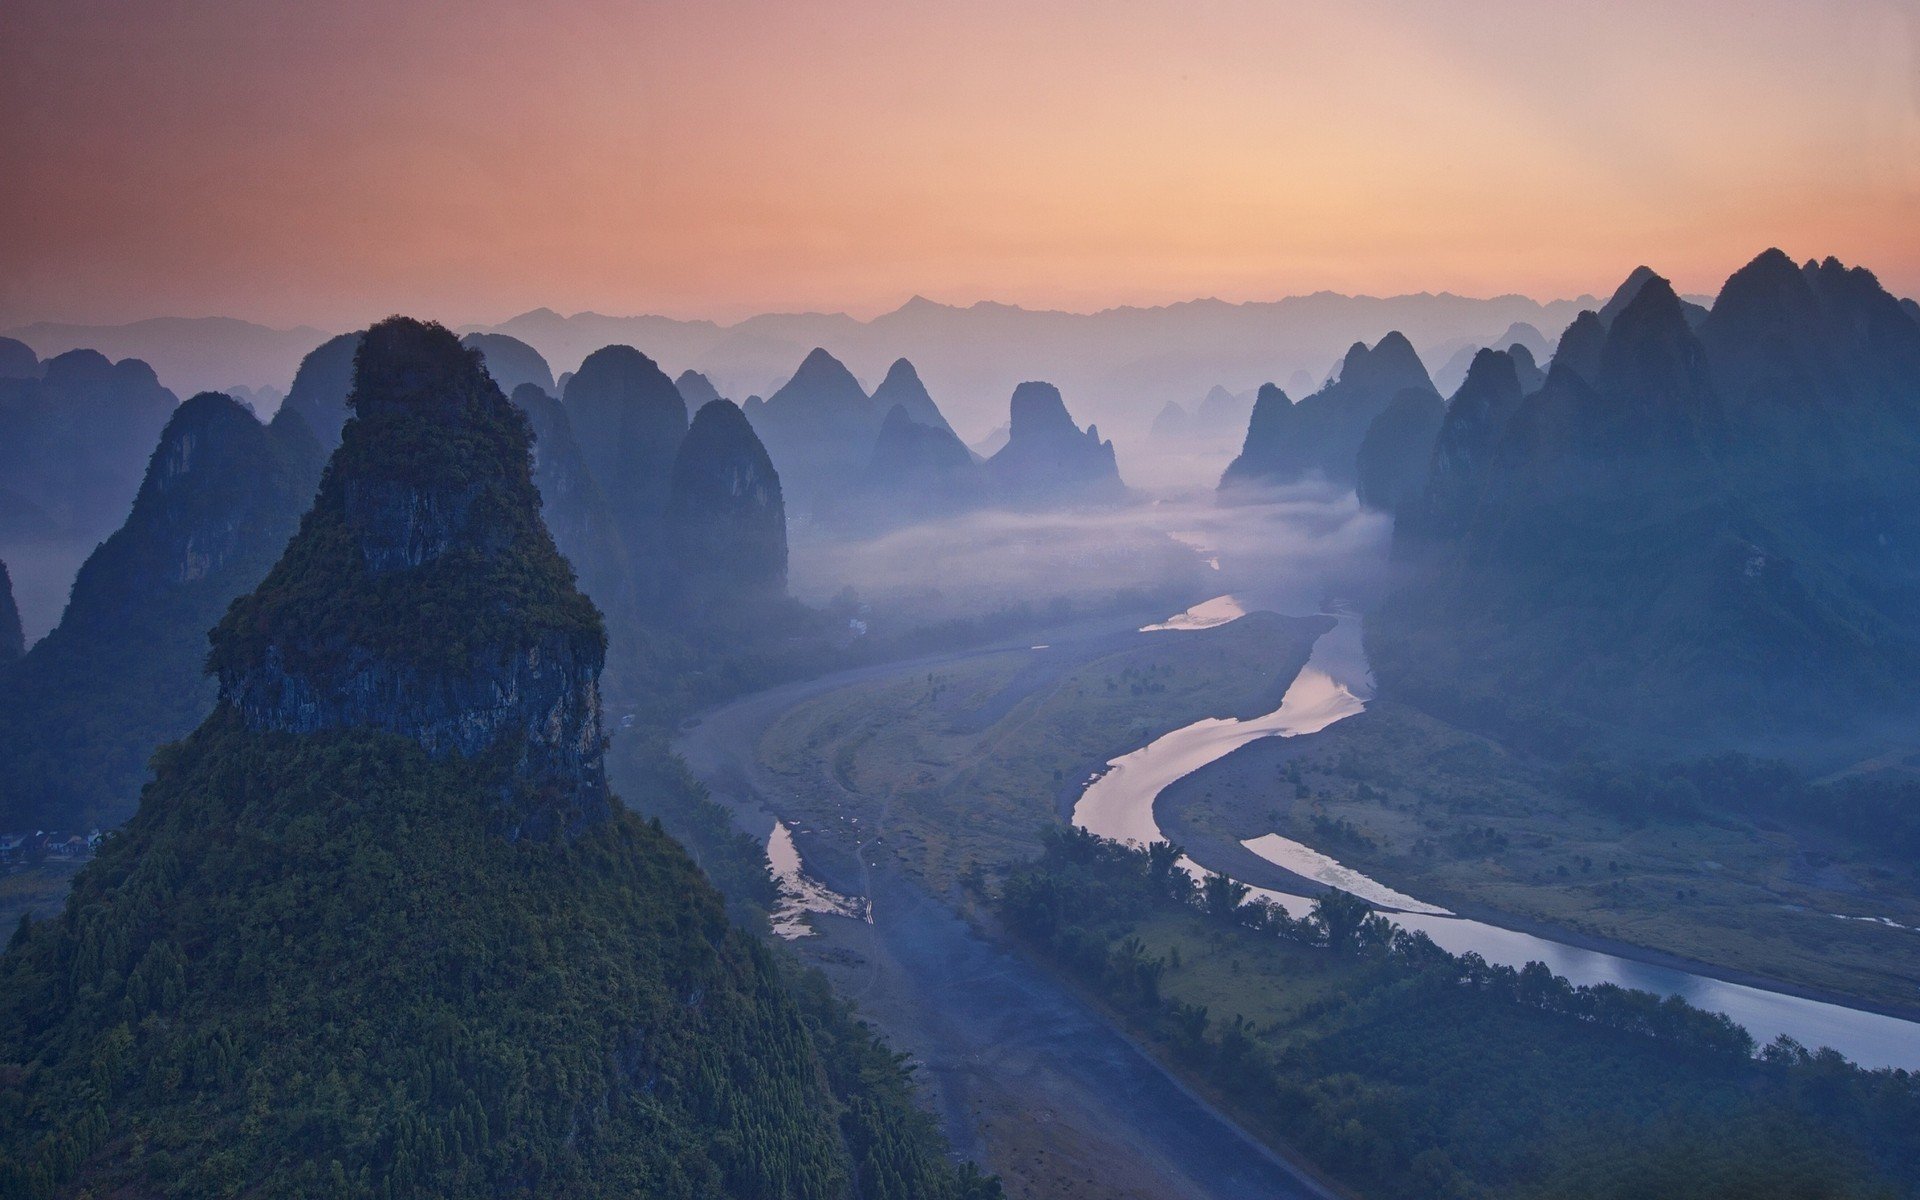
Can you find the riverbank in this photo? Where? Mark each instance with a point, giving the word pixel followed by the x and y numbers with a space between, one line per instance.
pixel 1023 1074
pixel 1454 821
pixel 1175 813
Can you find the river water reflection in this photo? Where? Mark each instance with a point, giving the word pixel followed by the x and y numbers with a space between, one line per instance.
pixel 1334 685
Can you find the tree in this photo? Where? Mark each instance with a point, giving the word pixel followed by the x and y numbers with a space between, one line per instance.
pixel 1163 867
pixel 1220 897
pixel 1339 916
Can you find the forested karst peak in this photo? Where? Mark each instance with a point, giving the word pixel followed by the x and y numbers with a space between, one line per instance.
pixel 429 509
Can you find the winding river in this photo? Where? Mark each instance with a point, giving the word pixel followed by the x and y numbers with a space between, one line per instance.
pixel 1335 684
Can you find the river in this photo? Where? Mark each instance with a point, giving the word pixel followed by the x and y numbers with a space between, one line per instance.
pixel 1335 684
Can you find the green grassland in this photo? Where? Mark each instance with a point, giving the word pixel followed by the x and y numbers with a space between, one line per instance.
pixel 1454 820
pixel 963 766
pixel 1404 1072
pixel 958 769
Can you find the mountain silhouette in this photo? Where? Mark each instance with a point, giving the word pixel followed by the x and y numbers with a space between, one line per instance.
pixel 819 427
pixel 1732 506
pixel 696 389
pixel 378 922
pixel 74 443
pixel 1048 460
pixel 17 360
pixel 511 362
pixel 628 420
pixel 902 388
pixel 1320 436
pixel 573 507
pixel 121 673
pixel 319 391
pixel 726 517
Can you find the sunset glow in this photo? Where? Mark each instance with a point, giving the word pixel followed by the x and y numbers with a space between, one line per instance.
pixel 332 162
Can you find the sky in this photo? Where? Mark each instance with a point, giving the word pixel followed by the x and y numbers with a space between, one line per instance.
pixel 332 161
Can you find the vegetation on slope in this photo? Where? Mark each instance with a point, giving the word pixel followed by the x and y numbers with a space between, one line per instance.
pixel 308 968
pixel 1409 1072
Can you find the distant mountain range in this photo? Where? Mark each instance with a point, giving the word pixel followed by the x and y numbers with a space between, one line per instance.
pixel 189 354
pixel 1126 362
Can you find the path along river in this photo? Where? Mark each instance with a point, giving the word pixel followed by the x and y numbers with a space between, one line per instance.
pixel 1336 684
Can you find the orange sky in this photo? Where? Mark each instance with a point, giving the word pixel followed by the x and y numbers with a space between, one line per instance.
pixel 329 162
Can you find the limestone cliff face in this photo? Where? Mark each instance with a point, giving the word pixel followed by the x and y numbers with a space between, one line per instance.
pixel 221 496
pixel 123 671
pixel 12 644
pixel 726 516
pixel 424 597
pixel 542 699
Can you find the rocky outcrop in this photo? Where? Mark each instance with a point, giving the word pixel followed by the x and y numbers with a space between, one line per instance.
pixel 511 362
pixel 1320 436
pixel 423 595
pixel 122 672
pixel 628 420
pixel 1048 460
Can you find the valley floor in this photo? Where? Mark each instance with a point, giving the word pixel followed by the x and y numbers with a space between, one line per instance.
pixel 904 782
pixel 1454 820
pixel 1028 1078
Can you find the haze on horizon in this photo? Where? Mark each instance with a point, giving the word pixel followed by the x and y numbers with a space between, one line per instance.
pixel 329 163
